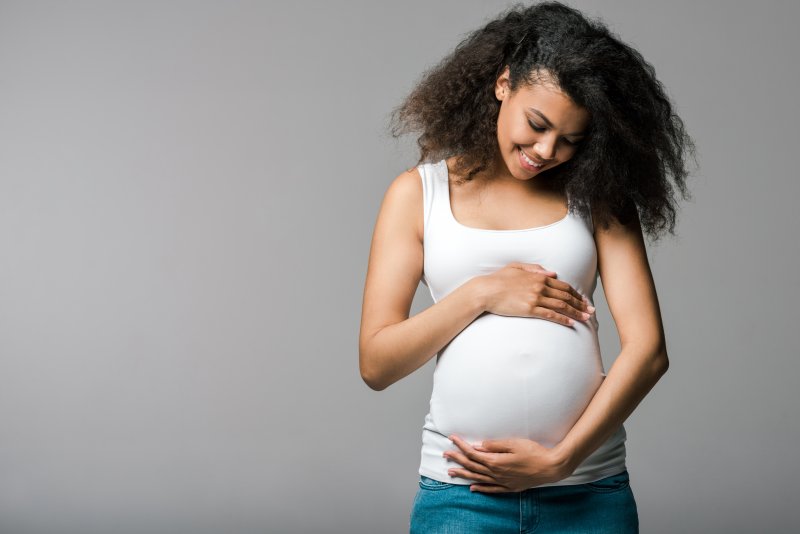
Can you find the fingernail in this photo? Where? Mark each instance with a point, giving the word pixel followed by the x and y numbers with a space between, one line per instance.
pixel 590 308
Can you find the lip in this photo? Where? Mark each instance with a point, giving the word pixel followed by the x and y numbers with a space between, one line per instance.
pixel 525 163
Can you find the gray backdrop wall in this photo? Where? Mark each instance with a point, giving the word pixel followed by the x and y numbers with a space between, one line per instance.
pixel 187 195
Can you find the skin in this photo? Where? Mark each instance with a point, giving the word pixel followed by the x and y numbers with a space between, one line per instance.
pixel 522 124
pixel 392 345
pixel 508 196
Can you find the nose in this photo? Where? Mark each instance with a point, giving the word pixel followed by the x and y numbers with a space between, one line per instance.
pixel 545 149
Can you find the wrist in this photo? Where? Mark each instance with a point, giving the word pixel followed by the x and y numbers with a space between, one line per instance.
pixel 563 458
pixel 478 292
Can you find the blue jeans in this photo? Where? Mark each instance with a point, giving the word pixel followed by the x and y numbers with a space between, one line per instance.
pixel 604 506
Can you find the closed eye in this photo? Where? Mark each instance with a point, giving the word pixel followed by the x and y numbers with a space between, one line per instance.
pixel 536 128
pixel 541 129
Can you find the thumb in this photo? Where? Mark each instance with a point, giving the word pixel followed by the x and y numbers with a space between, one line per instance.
pixel 536 268
pixel 496 445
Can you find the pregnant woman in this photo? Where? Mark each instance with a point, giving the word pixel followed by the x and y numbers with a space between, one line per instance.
pixel 548 148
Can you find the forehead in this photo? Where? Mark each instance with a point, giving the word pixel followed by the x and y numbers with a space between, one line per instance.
pixel 553 103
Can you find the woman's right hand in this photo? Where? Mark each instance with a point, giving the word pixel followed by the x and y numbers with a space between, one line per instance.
pixel 529 290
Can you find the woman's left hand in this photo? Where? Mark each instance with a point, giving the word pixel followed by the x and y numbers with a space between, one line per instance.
pixel 507 465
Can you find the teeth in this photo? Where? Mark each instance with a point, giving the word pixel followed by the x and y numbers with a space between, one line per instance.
pixel 530 161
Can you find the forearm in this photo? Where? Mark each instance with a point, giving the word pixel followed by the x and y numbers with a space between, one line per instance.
pixel 398 350
pixel 630 379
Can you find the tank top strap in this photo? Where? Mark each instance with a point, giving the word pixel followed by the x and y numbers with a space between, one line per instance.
pixel 435 191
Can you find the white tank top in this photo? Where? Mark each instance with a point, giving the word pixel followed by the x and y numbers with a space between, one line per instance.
pixel 510 377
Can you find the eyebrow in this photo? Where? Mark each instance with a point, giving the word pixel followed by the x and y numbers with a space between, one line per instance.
pixel 550 124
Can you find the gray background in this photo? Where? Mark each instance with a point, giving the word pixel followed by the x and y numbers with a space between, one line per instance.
pixel 187 196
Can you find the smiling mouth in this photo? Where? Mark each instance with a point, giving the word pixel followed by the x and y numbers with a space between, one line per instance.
pixel 530 161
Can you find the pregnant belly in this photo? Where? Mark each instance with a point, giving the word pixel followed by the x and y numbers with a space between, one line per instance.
pixel 505 377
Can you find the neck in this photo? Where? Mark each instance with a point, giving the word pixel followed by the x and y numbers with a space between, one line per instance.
pixel 498 172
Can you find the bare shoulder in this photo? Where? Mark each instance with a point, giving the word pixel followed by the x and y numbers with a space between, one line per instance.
pixel 616 233
pixel 403 200
pixel 620 243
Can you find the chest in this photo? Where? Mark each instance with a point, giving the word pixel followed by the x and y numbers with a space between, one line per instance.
pixel 504 209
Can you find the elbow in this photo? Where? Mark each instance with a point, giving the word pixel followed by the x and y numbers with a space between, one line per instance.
pixel 372 381
pixel 368 363
pixel 370 375
pixel 661 362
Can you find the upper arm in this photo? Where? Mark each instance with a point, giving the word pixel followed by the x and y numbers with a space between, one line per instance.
pixel 395 257
pixel 629 287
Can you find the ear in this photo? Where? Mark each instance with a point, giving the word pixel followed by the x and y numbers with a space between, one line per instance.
pixel 501 88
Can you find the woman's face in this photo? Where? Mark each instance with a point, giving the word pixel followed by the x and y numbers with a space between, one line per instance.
pixel 537 124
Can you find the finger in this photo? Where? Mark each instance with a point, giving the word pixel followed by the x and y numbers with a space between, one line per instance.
pixel 486 488
pixel 580 303
pixel 468 448
pixel 463 473
pixel 470 452
pixel 565 287
pixel 496 445
pixel 461 459
pixel 561 307
pixel 532 268
pixel 550 315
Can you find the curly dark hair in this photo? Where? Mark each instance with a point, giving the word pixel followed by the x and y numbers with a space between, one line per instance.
pixel 634 143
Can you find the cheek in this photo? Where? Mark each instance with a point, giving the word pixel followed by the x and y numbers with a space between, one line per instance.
pixel 505 128
pixel 520 135
pixel 513 131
